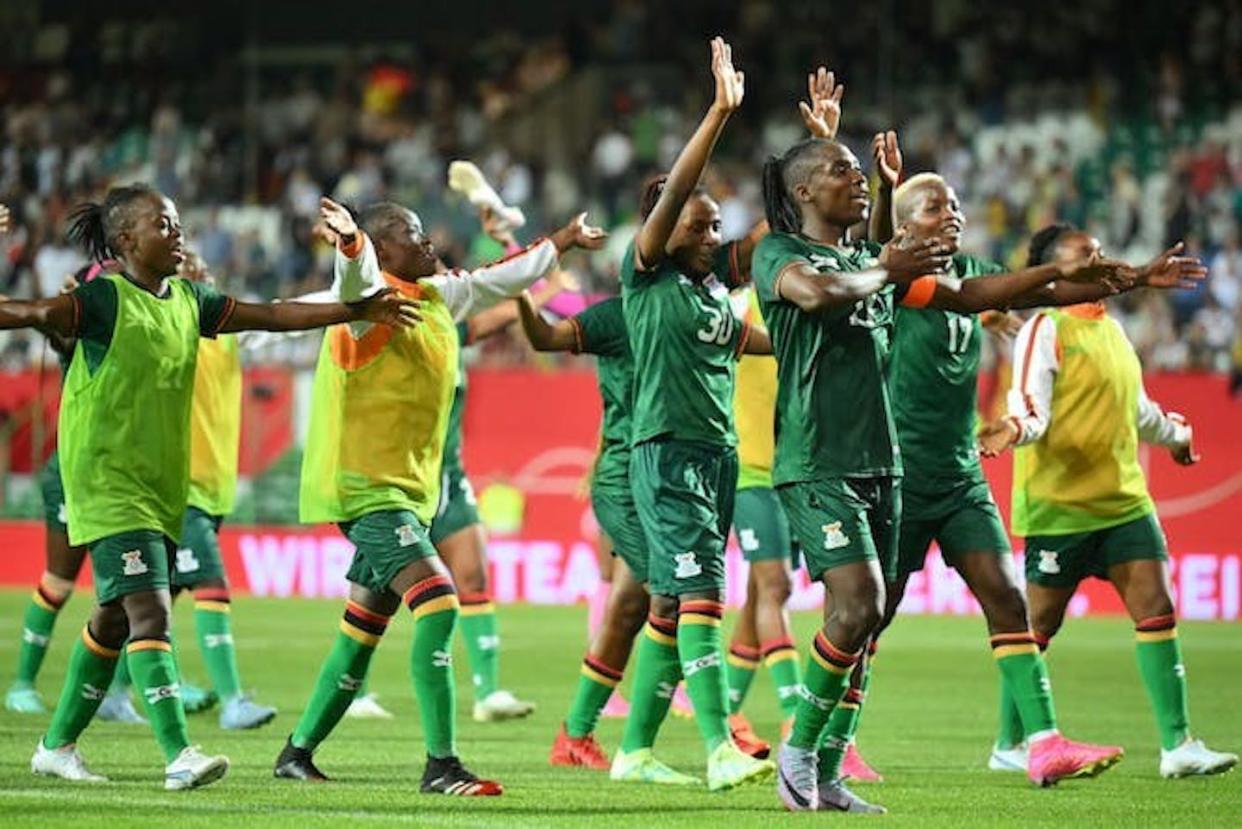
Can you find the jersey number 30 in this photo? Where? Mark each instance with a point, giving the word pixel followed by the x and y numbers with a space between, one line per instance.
pixel 719 328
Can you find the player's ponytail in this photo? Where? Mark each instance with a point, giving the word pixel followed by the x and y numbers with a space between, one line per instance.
pixel 782 215
pixel 86 230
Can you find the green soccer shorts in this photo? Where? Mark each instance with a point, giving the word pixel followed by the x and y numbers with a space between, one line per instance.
pixel 1065 560
pixel 839 521
pixel 684 493
pixel 961 516
pixel 617 516
pixel 761 526
pixel 386 541
pixel 53 492
pixel 458 508
pixel 198 558
pixel 131 562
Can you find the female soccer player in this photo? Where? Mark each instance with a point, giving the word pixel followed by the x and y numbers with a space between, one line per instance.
pixel 383 491
pixel 829 306
pixel 1077 411
pixel 124 451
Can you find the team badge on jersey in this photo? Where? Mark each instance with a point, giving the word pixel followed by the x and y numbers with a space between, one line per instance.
pixel 687 566
pixel 1049 562
pixel 834 539
pixel 133 565
pixel 187 562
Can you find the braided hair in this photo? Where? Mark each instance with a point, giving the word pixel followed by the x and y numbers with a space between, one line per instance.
pixel 783 173
pixel 1044 243
pixel 94 227
pixel 650 193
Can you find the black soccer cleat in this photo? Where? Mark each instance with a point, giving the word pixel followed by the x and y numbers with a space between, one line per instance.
pixel 296 764
pixel 446 775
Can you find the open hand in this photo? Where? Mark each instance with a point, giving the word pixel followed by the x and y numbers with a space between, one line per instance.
pixel 389 308
pixel 1172 270
pixel 730 84
pixel 1184 454
pixel 887 156
pixel 997 436
pixel 338 220
pixel 822 115
pixel 908 256
pixel 1099 270
pixel 579 234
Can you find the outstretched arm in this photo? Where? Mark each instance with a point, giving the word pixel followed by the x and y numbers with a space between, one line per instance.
pixel 54 317
pixel 496 319
pixel 654 234
pixel 814 292
pixel 1001 291
pixel 1168 270
pixel 543 335
pixel 386 308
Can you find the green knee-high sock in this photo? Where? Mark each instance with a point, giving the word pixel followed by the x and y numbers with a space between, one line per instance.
pixel 212 622
pixel 655 679
pixel 37 624
pixel 1012 731
pixel 434 605
pixel 121 680
pixel 741 663
pixel 478 628
pixel 1025 676
pixel 342 674
pixel 1160 663
pixel 827 676
pixel 155 676
pixel 781 659
pixel 90 671
pixel 595 685
pixel 844 719
pixel 699 648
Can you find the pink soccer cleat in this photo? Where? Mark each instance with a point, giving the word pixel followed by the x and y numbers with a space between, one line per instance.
pixel 854 767
pixel 1055 758
pixel 617 707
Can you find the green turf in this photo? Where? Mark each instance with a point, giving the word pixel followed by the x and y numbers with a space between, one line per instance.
pixel 927 727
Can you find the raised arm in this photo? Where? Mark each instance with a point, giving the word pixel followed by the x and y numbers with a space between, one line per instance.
pixel 886 154
pixel 543 335
pixel 654 234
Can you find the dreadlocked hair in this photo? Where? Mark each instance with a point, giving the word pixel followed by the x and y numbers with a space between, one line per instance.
pixel 650 194
pixel 94 227
pixel 781 173
pixel 1044 243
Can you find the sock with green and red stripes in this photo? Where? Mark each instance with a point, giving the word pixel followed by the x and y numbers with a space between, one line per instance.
pixel 478 629
pixel 1160 664
pixel 780 657
pixel 656 673
pixel 433 601
pixel 741 663
pixel 49 596
pixel 699 649
pixel 212 622
pixel 155 676
pixel 596 682
pixel 91 666
pixel 827 676
pixel 1013 730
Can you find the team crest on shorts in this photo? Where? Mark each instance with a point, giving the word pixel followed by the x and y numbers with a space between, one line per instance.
pixel 133 565
pixel 687 566
pixel 834 539
pixel 1049 562
pixel 406 536
pixel 748 540
pixel 186 561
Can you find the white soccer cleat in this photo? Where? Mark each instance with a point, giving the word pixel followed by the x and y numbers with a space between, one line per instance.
pixel 64 762
pixel 1194 758
pixel 466 178
pixel 501 705
pixel 1008 759
pixel 192 769
pixel 367 707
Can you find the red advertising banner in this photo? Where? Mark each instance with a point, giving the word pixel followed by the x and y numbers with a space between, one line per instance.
pixel 536 431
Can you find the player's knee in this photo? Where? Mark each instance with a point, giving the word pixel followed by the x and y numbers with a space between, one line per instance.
pixel 773 589
pixel 109 625
pixel 55 589
pixel 664 607
pixel 1005 607
pixel 860 613
pixel 629 610
pixel 149 614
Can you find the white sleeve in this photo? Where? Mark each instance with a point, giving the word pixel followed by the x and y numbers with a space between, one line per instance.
pixel 1154 426
pixel 468 294
pixel 1035 366
pixel 356 275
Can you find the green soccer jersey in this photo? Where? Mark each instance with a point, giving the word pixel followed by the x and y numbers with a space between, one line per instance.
pixel 124 432
pixel 452 439
pixel 686 341
pixel 833 413
pixel 600 330
pixel 933 384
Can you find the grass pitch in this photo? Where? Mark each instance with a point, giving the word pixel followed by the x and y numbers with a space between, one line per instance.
pixel 928 725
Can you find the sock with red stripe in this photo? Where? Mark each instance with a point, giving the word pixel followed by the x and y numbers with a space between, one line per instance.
pixel 49 596
pixel 86 682
pixel 656 673
pixel 827 676
pixel 342 675
pixel 215 640
pixel 1160 664
pixel 844 719
pixel 433 601
pixel 478 628
pixel 595 685
pixel 780 657
pixel 155 675
pixel 741 663
pixel 1016 675
pixel 702 664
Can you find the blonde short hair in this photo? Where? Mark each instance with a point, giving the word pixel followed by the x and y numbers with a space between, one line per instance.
pixel 906 193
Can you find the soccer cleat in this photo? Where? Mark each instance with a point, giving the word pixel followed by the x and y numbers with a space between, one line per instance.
pixel 617 707
pixel 579 752
pixel 641 766
pixel 1192 757
pixel 681 706
pixel 501 705
pixel 117 707
pixel 797 778
pixel 835 796
pixel 22 698
pixel 1008 759
pixel 1055 758
pixel 367 707
pixel 446 775
pixel 196 700
pixel 746 739
pixel 64 762
pixel 191 769
pixel 241 712
pixel 728 767
pixel 854 767
pixel 296 764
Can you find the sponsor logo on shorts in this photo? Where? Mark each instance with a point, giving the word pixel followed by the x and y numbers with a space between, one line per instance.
pixel 348 683
pixel 133 565
pixel 406 535
pixel 187 562
pixel 687 566
pixel 161 692
pixel 834 539
pixel 746 537
pixel 1049 562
